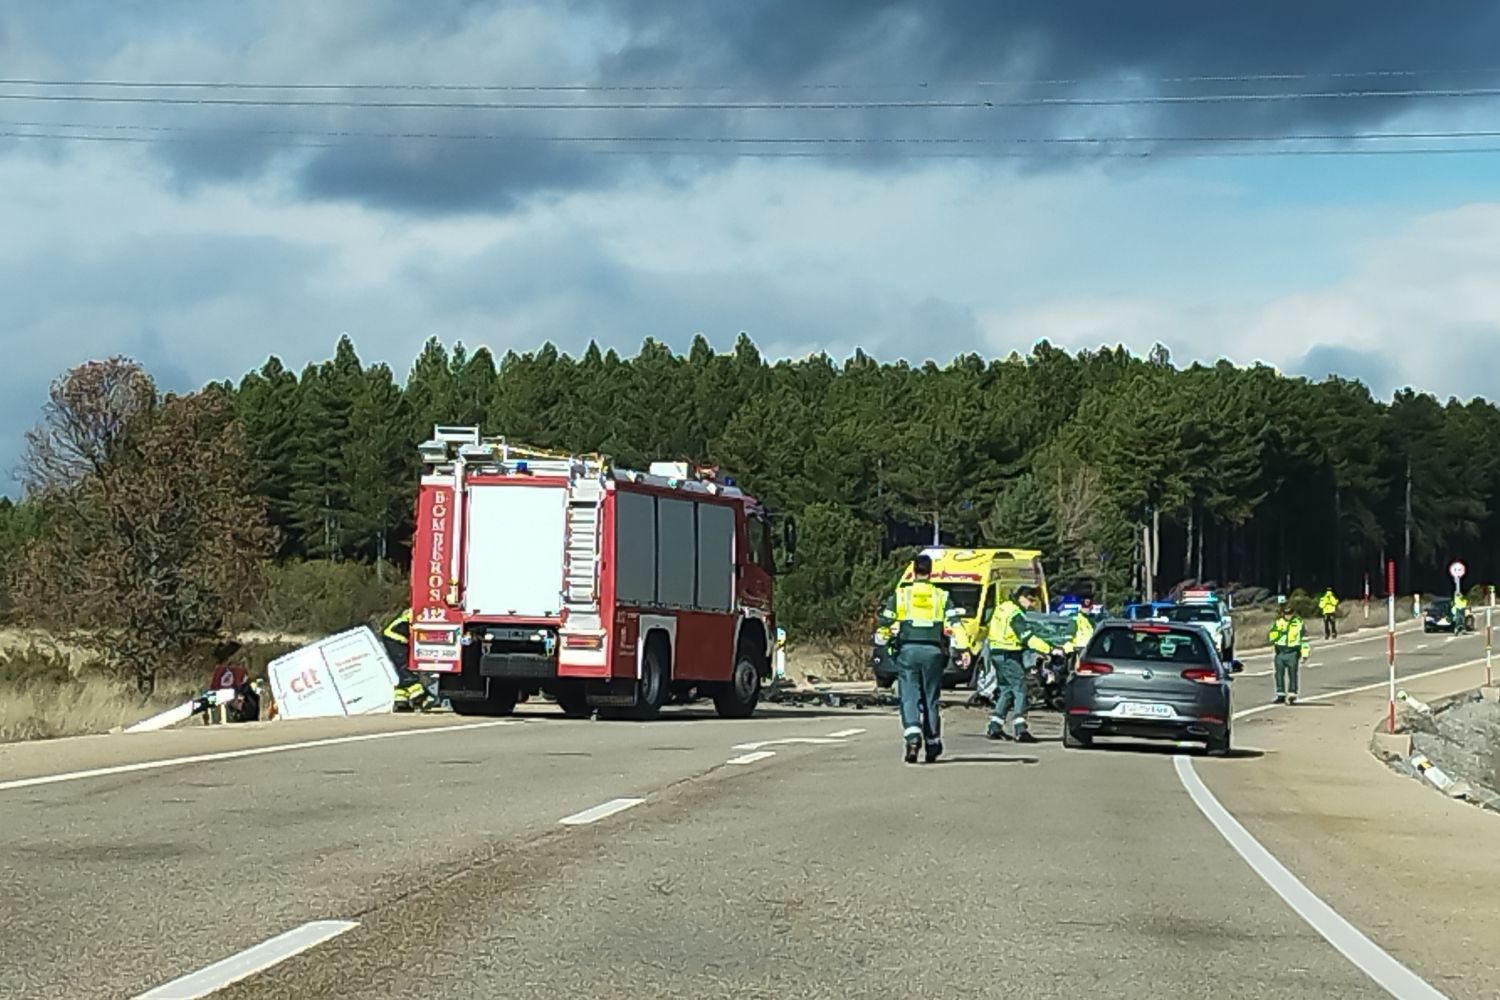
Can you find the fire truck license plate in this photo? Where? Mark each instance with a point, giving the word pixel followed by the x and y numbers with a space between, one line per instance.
pixel 444 653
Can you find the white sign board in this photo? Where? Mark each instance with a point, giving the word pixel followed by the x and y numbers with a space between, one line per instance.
pixel 345 674
pixel 1457 570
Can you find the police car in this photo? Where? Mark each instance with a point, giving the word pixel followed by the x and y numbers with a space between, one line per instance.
pixel 1204 608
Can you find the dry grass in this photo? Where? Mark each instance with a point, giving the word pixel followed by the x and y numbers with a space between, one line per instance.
pixel 844 657
pixel 49 688
pixel 40 710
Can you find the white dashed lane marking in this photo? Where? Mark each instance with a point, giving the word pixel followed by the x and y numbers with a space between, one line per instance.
pixel 751 758
pixel 601 811
pixel 250 961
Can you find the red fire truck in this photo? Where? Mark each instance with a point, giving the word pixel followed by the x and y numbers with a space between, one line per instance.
pixel 602 587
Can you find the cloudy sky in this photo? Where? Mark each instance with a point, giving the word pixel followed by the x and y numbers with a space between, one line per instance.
pixel 920 178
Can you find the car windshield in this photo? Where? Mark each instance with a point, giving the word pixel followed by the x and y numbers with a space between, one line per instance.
pixel 1193 613
pixel 1150 644
pixel 1441 606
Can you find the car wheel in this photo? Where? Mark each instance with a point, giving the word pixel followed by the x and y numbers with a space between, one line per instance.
pixel 1073 740
pixel 885 683
pixel 1219 746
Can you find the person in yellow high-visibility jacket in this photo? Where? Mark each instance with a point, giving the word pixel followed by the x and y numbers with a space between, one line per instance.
pixel 920 620
pixel 1290 647
pixel 1328 607
pixel 1083 627
pixel 1459 613
pixel 410 693
pixel 1011 634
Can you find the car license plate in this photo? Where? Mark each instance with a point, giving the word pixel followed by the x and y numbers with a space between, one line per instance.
pixel 1137 709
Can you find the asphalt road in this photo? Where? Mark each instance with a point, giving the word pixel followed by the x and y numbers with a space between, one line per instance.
pixel 827 868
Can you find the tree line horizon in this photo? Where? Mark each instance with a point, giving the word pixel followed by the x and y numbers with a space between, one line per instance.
pixel 1232 474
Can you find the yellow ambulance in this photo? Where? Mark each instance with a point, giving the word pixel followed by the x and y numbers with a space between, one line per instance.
pixel 976 580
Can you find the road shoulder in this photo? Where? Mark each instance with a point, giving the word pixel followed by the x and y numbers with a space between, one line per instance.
pixel 1406 865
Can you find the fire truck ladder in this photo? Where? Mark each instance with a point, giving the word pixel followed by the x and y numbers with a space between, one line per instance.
pixel 580 579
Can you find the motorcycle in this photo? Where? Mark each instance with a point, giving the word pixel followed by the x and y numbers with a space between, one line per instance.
pixel 1046 680
pixel 1051 673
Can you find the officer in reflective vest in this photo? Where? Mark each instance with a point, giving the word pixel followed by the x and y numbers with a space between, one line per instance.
pixel 920 620
pixel 409 690
pixel 1083 626
pixel 1328 607
pixel 1458 613
pixel 1011 634
pixel 1290 647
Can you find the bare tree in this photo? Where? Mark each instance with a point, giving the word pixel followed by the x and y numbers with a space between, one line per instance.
pixel 84 423
pixel 156 535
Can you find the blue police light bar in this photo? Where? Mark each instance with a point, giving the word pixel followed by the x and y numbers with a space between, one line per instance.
pixel 521 466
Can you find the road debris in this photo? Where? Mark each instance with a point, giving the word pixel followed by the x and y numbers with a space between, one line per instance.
pixel 1455 746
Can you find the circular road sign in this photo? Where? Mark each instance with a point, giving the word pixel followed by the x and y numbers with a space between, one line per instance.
pixel 1458 569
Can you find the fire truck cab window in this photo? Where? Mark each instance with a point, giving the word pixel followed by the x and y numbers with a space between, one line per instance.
pixel 758 540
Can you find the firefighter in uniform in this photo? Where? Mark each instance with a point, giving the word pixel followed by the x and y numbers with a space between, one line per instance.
pixel 1290 648
pixel 920 619
pixel 410 694
pixel 1328 607
pixel 1011 634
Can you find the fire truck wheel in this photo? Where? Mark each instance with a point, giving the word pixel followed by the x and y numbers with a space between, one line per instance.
pixel 652 689
pixel 737 699
pixel 573 700
pixel 501 700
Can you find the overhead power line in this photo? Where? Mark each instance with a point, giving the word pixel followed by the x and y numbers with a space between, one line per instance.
pixel 850 105
pixel 701 147
pixel 600 88
pixel 1007 140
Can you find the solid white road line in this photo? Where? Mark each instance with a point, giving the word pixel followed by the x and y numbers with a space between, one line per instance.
pixel 154 765
pixel 599 812
pixel 1337 643
pixel 751 758
pixel 1389 974
pixel 1376 686
pixel 844 734
pixel 249 962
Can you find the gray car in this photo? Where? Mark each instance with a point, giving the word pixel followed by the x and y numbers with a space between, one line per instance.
pixel 1153 681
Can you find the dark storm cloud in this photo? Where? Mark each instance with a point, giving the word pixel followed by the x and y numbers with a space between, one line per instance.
pixel 444 178
pixel 765 49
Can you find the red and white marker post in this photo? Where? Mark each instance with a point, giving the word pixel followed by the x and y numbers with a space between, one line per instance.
pixel 1489 621
pixel 1390 642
